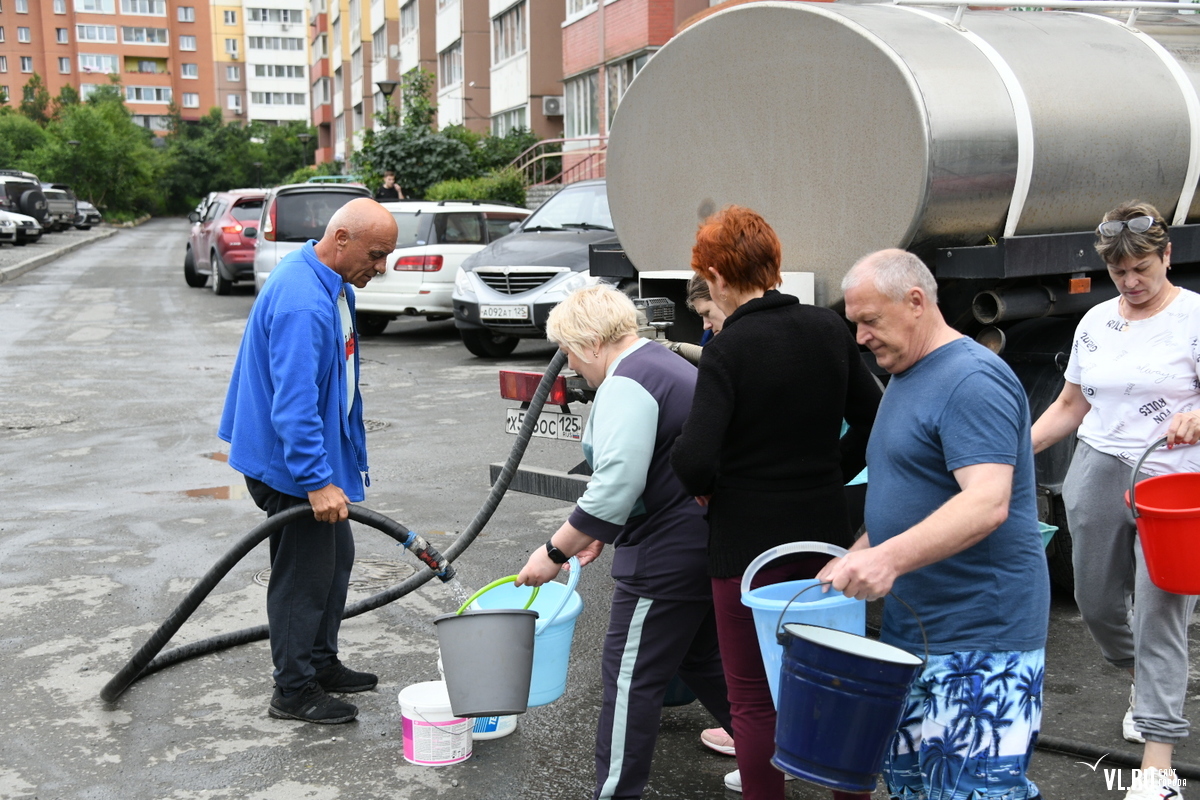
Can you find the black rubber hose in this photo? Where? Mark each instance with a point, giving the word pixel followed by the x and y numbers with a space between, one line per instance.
pixel 144 661
pixel 1074 747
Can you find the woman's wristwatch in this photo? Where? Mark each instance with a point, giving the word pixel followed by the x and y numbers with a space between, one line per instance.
pixel 556 555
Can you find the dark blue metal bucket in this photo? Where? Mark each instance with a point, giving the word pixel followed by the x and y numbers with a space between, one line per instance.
pixel 841 697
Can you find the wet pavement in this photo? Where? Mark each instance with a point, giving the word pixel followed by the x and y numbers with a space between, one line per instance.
pixel 117 500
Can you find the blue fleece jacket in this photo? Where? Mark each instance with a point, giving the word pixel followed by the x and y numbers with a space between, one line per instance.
pixel 285 415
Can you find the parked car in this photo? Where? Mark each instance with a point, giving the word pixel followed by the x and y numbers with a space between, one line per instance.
pixel 28 228
pixel 8 229
pixel 504 292
pixel 219 246
pixel 21 192
pixel 432 240
pixel 86 215
pixel 293 214
pixel 60 207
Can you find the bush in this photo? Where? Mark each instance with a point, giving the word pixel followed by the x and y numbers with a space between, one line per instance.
pixel 419 157
pixel 503 186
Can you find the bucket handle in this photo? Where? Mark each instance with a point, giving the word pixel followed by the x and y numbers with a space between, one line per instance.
pixel 572 582
pixel 779 624
pixel 1136 470
pixel 787 549
pixel 493 585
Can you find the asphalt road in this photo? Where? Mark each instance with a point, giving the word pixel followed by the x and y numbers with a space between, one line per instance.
pixel 116 500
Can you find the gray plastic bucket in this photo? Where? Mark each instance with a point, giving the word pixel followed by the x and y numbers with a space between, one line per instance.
pixel 488 659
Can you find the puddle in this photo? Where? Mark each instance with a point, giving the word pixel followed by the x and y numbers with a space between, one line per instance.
pixel 367 573
pixel 373 425
pixel 222 457
pixel 234 492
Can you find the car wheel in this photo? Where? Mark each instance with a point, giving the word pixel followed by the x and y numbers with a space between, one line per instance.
pixel 220 284
pixel 486 344
pixel 371 324
pixel 193 278
pixel 21 242
pixel 83 227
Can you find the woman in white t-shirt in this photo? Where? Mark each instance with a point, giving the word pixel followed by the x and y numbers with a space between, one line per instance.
pixel 1133 377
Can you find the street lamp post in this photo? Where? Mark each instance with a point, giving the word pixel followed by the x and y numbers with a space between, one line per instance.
pixel 304 137
pixel 386 88
pixel 258 173
pixel 74 145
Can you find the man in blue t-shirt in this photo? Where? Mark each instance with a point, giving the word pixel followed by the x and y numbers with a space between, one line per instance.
pixel 952 529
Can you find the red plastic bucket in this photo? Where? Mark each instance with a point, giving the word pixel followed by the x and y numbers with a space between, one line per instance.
pixel 1167 512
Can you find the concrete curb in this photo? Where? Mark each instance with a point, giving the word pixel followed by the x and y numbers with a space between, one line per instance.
pixel 16 270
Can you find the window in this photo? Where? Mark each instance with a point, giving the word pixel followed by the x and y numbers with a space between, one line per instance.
pixel 234 102
pixel 231 18
pixel 379 44
pixel 3 63
pixel 459 229
pixel 96 6
pixel 321 46
pixel 104 64
pixel 408 18
pixel 283 15
pixel 506 121
pixel 356 64
pixel 148 36
pixel 450 65
pixel 61 35
pixel 320 89
pixel 620 75
pixel 157 8
pixel 96 33
pixel 23 35
pixel 147 67
pixel 189 70
pixel 577 7
pixel 508 34
pixel 233 74
pixel 1 33
pixel 443 3
pixel 339 131
pixel 278 71
pixel 26 64
pixel 231 47
pixel 191 100
pixel 278 98
pixel 582 116
pixel 64 66
pixel 274 43
pixel 60 6
pixel 187 42
pixel 148 94
pixel 187 13
pixel 22 6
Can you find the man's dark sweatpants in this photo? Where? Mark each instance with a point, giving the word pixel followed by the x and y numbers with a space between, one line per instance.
pixel 647 643
pixel 310 576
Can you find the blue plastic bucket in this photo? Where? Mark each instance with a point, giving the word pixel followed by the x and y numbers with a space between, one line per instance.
pixel 841 697
pixel 558 607
pixel 831 610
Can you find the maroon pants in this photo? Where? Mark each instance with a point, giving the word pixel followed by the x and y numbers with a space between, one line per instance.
pixel 750 702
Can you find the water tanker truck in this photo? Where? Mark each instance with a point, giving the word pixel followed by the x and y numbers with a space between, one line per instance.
pixel 988 141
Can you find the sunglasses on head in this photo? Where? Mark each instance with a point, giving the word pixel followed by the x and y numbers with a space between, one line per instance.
pixel 1136 225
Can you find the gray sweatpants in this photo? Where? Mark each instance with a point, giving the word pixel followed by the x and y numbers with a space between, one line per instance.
pixel 1149 634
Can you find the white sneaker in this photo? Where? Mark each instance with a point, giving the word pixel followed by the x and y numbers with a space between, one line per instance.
pixel 1128 729
pixel 1156 784
pixel 733 780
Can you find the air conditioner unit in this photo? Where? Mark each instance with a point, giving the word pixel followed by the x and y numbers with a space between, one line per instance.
pixel 552 106
pixel 393 51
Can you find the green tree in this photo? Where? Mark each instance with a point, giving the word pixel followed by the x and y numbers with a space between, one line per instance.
pixel 418 156
pixel 19 136
pixel 35 100
pixel 416 93
pixel 67 97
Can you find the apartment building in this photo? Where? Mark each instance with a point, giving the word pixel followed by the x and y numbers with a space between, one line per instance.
pixel 160 49
pixel 526 66
pixel 262 64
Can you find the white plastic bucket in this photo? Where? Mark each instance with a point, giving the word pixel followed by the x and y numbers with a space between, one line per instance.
pixel 486 727
pixel 433 736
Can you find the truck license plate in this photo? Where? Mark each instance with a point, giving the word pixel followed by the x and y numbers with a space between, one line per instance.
pixel 504 312
pixel 550 425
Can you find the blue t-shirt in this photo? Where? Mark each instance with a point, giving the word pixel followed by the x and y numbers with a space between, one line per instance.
pixel 956 407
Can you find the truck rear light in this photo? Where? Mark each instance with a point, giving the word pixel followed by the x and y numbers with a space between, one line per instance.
pixel 418 264
pixel 521 386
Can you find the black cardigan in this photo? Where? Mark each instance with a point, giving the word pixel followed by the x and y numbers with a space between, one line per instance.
pixel 763 434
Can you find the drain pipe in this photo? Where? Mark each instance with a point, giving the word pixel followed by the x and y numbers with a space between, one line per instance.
pixel 145 662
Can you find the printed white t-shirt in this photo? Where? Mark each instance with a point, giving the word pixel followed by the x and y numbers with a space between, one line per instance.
pixel 349 345
pixel 1137 379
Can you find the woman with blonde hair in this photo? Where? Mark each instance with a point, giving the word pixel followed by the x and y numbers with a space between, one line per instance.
pixel 662 619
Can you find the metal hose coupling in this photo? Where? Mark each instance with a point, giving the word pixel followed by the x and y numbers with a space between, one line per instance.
pixel 430 557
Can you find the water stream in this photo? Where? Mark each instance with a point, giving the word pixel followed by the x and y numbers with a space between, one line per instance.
pixel 458 592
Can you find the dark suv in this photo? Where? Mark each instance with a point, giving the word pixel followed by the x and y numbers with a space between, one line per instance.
pixel 21 193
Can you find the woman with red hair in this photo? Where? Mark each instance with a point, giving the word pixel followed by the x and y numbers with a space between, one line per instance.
pixel 761 448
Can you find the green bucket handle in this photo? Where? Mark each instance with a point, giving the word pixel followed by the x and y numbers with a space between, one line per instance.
pixel 493 585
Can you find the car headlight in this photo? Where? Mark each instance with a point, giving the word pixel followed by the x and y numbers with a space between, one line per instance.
pixel 577 281
pixel 462 284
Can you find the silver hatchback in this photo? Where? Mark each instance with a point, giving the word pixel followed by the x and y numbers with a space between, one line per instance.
pixel 293 214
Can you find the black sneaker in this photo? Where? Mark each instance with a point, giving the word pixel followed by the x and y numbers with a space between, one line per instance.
pixel 337 677
pixel 311 704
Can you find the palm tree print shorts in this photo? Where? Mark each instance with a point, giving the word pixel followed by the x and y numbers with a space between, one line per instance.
pixel 969 728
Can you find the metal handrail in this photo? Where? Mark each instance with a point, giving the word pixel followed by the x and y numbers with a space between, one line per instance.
pixel 535 161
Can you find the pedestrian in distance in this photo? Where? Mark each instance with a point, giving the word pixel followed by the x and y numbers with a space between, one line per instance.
pixel 389 191
pixel 761 450
pixel 951 528
pixel 662 620
pixel 1132 378
pixel 294 421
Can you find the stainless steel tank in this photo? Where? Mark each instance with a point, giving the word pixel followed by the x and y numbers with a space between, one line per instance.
pixel 856 127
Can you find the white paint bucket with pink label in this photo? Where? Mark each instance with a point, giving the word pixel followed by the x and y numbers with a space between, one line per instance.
pixel 433 736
